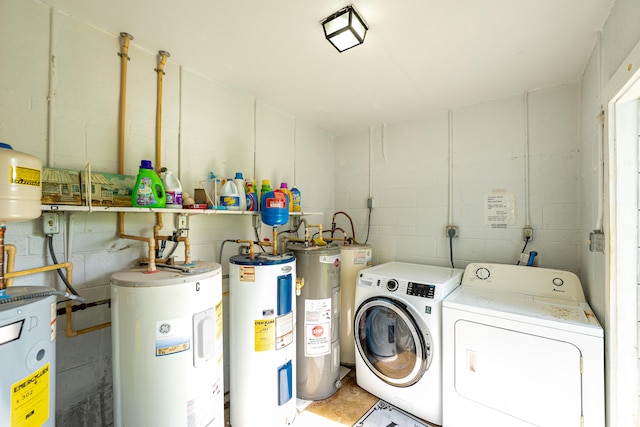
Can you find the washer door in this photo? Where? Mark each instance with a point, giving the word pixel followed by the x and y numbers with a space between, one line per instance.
pixel 390 341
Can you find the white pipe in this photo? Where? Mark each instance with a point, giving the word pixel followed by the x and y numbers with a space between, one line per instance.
pixel 526 158
pixel 180 84
pixel 53 43
pixel 370 161
pixel 600 168
pixel 450 201
pixel 384 146
pixel 255 142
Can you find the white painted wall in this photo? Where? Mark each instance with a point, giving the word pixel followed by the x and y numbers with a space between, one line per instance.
pixel 620 36
pixel 206 127
pixel 410 178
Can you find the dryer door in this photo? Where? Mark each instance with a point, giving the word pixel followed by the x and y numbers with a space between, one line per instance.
pixel 390 341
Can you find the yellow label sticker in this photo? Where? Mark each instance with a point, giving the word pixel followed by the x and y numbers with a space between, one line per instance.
pixel 265 334
pixel 219 320
pixel 30 399
pixel 24 176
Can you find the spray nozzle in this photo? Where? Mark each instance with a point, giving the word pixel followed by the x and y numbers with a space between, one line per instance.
pixel 212 176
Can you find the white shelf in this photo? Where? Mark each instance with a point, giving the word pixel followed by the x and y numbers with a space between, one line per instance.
pixel 74 208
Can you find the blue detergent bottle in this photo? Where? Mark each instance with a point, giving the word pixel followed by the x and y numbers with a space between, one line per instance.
pixel 148 191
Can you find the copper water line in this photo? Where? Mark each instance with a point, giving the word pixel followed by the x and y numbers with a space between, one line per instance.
pixel 66 265
pixel 162 59
pixel 333 222
pixel 151 240
pixel 69 332
pixel 124 57
pixel 11 261
pixel 3 286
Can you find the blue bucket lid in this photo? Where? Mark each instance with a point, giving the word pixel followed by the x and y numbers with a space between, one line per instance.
pixel 5 145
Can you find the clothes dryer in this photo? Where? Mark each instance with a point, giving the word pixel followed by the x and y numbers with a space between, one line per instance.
pixel 522 348
pixel 397 331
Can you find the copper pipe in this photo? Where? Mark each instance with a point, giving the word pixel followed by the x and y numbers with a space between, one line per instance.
pixel 187 246
pixel 11 260
pixel 124 57
pixel 162 59
pixel 251 247
pixel 69 332
pixel 333 221
pixel 3 286
pixel 66 265
pixel 151 240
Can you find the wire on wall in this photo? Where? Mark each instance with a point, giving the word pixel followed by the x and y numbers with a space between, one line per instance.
pixel 525 102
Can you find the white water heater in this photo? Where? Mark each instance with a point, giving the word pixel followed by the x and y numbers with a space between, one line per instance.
pixel 353 259
pixel 262 310
pixel 168 347
pixel 28 354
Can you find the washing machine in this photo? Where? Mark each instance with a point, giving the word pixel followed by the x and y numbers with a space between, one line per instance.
pixel 397 332
pixel 521 348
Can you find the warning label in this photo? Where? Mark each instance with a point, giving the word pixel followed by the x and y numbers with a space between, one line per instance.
pixel 284 330
pixel 24 176
pixel 172 336
pixel 317 327
pixel 264 334
pixel 247 274
pixel 30 399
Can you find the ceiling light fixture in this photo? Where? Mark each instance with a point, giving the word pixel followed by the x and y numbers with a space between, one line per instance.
pixel 345 28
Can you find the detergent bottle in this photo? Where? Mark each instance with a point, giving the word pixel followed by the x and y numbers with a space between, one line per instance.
pixel 173 190
pixel 239 182
pixel 148 191
pixel 266 187
pixel 229 196
pixel 285 189
pixel 296 200
pixel 252 198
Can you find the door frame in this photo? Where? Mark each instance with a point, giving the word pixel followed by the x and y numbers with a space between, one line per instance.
pixel 620 99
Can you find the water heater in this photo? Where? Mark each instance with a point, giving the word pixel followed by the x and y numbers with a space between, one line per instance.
pixel 262 311
pixel 318 320
pixel 353 259
pixel 168 347
pixel 28 354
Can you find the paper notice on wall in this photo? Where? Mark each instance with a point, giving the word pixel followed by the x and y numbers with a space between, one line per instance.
pixel 500 209
pixel 317 324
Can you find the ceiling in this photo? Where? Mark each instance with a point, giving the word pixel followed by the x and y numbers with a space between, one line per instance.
pixel 419 56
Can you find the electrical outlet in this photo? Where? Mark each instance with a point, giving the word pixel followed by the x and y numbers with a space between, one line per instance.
pixel 183 222
pixel 596 241
pixel 451 231
pixel 50 223
pixel 527 234
pixel 257 223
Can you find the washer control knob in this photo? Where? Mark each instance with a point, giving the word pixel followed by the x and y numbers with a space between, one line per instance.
pixel 392 285
pixel 483 273
pixel 558 281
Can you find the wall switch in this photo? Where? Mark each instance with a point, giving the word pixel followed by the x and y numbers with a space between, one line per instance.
pixel 183 222
pixel 50 223
pixel 451 231
pixel 596 241
pixel 527 234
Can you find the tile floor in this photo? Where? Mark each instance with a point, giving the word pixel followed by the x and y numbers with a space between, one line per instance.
pixel 344 408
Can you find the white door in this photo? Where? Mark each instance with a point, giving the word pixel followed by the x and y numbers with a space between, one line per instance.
pixel 531 378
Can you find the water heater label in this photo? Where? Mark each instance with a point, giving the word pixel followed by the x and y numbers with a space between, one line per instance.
pixel 173 336
pixel 247 274
pixel 362 257
pixel 284 330
pixel 264 334
pixel 317 327
pixel 331 259
pixel 30 399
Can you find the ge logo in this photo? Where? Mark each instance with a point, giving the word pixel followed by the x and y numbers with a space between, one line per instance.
pixel 165 328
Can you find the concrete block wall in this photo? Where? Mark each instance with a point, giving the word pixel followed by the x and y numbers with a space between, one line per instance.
pixel 206 127
pixel 405 168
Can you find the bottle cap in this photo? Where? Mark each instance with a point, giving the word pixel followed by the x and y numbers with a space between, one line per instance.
pixel 283 185
pixel 238 175
pixel 145 164
pixel 266 182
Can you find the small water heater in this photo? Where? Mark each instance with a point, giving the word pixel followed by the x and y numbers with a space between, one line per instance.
pixel 168 347
pixel 318 318
pixel 28 354
pixel 262 311
pixel 353 259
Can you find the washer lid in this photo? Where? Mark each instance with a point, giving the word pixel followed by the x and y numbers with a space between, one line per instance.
pixel 572 316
